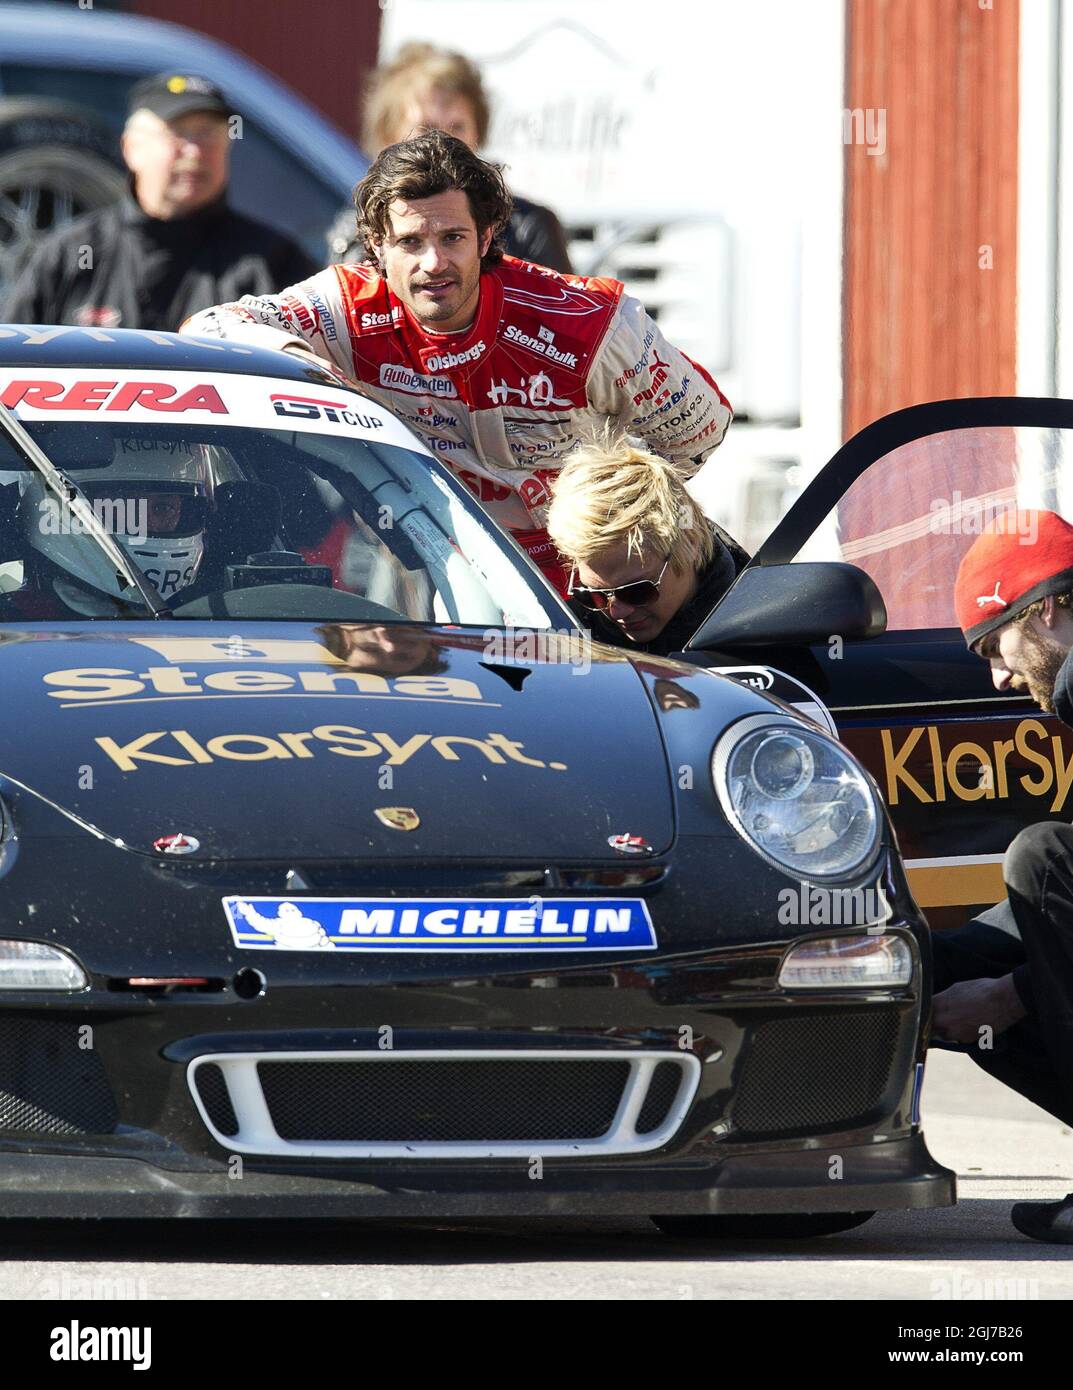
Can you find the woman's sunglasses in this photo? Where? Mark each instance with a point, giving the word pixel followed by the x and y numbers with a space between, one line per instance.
pixel 641 591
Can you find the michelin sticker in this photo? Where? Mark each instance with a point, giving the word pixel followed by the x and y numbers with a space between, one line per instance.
pixel 440 924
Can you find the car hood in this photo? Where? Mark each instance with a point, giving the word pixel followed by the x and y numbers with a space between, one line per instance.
pixel 273 741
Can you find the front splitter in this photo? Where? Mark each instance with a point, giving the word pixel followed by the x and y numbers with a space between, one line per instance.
pixel 892 1176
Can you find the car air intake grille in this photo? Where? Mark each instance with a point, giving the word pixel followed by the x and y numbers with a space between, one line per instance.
pixel 425 1102
pixel 212 1088
pixel 444 1103
pixel 49 1083
pixel 816 1072
pixel 662 1093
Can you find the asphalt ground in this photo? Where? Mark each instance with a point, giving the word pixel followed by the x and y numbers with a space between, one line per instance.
pixel 1003 1149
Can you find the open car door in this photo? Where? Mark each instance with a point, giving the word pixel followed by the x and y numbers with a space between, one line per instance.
pixel 852 594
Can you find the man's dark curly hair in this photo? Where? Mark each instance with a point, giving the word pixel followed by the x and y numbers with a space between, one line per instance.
pixel 422 167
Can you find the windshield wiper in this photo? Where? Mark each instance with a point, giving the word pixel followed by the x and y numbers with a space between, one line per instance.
pixel 75 500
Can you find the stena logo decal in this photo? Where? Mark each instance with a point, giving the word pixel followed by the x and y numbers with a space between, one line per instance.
pixel 371 320
pixel 398 378
pixel 110 395
pixel 312 408
pixel 440 924
pixel 444 361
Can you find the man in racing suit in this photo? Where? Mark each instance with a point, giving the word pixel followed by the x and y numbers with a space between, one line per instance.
pixel 502 366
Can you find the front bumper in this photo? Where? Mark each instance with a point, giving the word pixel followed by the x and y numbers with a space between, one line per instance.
pixel 888 1176
pixel 803 1104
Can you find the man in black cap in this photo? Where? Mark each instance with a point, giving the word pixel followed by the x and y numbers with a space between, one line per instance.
pixel 172 246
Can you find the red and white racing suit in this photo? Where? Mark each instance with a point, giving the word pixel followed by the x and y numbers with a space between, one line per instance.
pixel 502 402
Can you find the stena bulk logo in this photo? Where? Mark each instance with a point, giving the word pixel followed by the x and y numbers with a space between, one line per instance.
pixel 544 343
pixel 399 378
pixel 444 361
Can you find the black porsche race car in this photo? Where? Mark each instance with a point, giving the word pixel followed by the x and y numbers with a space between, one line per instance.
pixel 344 875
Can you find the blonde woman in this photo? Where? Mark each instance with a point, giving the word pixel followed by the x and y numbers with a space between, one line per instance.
pixel 429 88
pixel 645 564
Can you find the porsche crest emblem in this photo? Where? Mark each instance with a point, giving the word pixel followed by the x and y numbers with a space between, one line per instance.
pixel 398 817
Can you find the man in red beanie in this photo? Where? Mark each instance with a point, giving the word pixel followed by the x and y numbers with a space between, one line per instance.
pixel 1009 972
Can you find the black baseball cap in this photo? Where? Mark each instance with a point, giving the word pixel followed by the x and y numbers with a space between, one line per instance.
pixel 172 94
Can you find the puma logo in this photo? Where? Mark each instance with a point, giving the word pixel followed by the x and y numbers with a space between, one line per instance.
pixel 985 599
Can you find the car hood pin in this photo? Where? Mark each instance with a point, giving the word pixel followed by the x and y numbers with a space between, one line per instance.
pixel 629 844
pixel 176 844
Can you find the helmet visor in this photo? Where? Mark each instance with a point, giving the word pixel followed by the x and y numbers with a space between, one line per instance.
pixel 140 510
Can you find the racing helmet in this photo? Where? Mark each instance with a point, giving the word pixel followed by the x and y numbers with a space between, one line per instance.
pixel 155 497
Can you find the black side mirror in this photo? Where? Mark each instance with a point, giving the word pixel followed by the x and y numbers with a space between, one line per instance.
pixel 793 605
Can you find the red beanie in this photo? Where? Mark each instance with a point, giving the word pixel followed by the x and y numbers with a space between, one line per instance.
pixel 1005 570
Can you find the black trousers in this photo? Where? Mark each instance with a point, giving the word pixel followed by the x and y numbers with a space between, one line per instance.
pixel 1033 925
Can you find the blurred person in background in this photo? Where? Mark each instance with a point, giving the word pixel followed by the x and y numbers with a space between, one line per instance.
pixel 503 367
pixel 646 565
pixel 172 245
pixel 426 88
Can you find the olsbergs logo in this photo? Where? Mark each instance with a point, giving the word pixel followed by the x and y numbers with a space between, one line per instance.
pixel 400 378
pixel 445 361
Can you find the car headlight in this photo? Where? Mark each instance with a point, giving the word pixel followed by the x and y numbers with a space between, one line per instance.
pixel 32 965
pixel 796 796
pixel 848 962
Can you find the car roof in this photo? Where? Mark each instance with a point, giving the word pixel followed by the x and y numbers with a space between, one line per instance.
pixel 42 346
pixel 64 36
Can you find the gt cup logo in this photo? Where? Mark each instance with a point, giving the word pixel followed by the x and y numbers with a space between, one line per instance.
pixel 440 924
pixel 444 361
pixel 313 408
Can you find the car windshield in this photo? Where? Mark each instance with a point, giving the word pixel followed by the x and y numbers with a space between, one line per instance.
pixel 256 522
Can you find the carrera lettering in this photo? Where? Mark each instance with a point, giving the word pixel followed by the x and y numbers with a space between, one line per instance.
pixel 97 395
